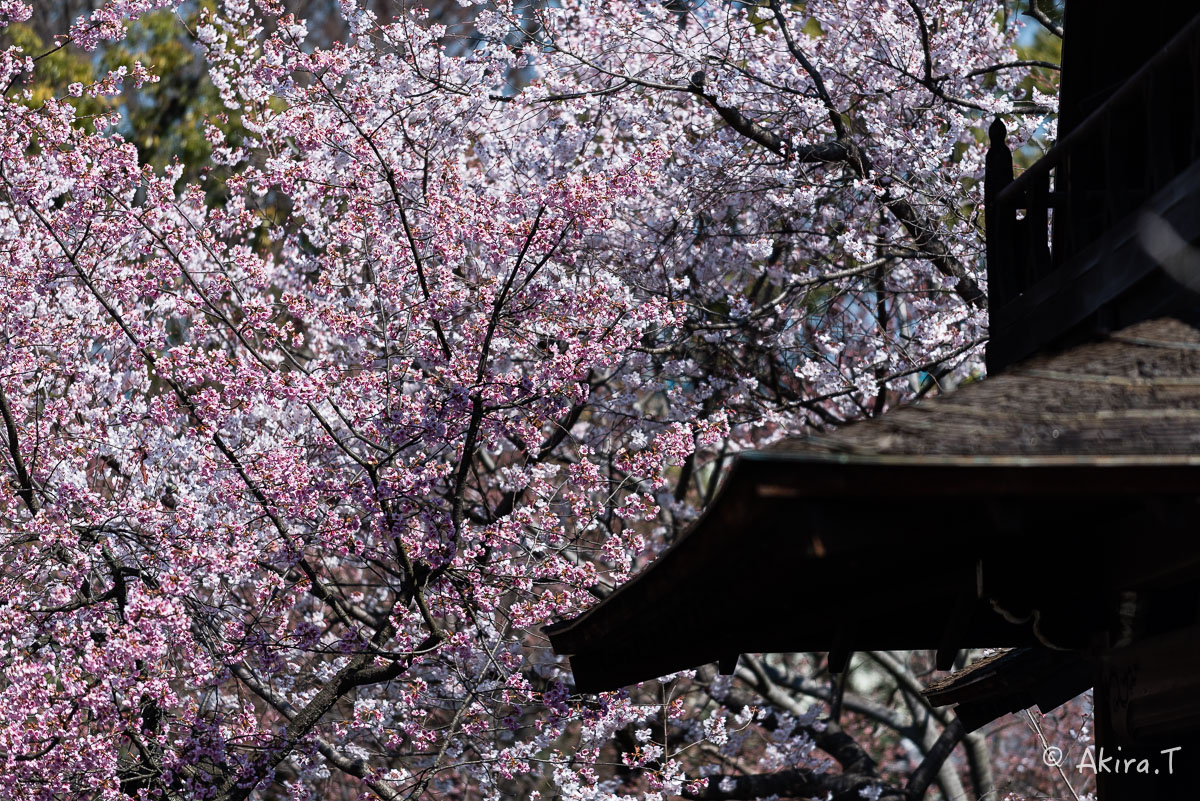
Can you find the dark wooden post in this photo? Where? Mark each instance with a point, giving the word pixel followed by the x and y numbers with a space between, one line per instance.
pixel 999 221
pixel 1147 706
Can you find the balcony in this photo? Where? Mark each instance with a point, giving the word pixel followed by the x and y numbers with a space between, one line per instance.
pixel 1066 250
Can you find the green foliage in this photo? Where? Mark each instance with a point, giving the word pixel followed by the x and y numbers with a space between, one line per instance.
pixel 164 120
pixel 55 69
pixel 813 28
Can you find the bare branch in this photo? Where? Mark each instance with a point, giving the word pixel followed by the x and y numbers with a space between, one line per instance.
pixel 1008 65
pixel 25 487
pixel 835 118
pixel 927 771
pixel 1042 19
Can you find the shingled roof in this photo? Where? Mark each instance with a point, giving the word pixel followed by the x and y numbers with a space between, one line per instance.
pixel 1135 393
pixel 1001 515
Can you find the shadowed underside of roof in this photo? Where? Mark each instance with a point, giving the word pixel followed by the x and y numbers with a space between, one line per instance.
pixel 997 516
pixel 1009 681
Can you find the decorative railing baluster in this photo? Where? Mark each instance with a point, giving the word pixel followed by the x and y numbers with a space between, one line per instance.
pixel 1107 167
pixel 1161 138
pixel 1000 220
pixel 1193 63
pixel 1111 173
pixel 1037 231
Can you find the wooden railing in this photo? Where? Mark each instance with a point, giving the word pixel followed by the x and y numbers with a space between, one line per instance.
pixel 1131 146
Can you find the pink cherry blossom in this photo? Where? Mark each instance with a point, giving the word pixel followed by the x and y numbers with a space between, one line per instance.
pixel 294 477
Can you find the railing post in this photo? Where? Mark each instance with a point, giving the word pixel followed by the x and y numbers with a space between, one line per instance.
pixel 1037 227
pixel 999 222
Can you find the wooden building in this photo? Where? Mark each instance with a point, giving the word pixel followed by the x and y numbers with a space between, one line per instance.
pixel 1073 470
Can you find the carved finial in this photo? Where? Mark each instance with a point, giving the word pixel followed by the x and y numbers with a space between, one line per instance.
pixel 997 133
pixel 999 159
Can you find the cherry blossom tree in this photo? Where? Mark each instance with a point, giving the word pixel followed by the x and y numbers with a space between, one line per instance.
pixel 455 336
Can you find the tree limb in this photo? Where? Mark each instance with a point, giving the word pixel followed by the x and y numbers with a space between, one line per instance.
pixel 1044 20
pixel 25 487
pixel 927 771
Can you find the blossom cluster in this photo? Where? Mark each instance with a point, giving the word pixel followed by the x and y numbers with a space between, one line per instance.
pixel 301 455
